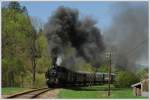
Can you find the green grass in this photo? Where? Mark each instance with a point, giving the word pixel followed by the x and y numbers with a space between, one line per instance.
pixel 10 90
pixel 96 92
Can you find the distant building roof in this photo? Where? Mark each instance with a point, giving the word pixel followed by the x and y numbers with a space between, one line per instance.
pixel 139 83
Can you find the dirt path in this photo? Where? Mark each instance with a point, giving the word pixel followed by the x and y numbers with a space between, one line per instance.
pixel 52 94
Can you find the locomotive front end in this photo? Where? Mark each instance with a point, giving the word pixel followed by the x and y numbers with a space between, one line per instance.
pixel 52 74
pixel 51 77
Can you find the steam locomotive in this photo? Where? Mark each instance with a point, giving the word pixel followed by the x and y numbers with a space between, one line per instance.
pixel 59 76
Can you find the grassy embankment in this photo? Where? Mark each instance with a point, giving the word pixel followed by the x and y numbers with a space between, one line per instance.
pixel 97 92
pixel 84 92
pixel 10 90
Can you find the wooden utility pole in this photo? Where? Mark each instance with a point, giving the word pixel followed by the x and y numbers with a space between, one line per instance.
pixel 108 55
pixel 109 80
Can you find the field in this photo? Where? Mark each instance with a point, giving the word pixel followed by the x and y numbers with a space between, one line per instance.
pixel 96 92
pixel 84 92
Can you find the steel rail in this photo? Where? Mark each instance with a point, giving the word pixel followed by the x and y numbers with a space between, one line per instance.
pixel 29 94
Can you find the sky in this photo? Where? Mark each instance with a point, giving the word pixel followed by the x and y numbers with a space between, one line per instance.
pixel 102 12
pixel 98 11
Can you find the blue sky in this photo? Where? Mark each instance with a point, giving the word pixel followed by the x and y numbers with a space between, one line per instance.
pixel 98 11
pixel 102 12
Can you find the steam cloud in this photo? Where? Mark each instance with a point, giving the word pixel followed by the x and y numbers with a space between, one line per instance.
pixel 77 41
pixel 128 36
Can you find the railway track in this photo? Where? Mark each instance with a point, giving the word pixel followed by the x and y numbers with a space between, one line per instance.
pixel 30 94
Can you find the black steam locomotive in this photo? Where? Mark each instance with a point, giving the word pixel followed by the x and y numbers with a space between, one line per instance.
pixel 59 76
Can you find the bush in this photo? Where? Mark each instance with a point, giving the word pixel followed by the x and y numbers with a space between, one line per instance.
pixel 103 68
pixel 125 79
pixel 142 73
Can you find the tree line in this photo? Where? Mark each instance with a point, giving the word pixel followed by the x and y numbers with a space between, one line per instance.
pixel 24 49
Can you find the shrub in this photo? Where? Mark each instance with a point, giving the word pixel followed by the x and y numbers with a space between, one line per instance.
pixel 125 79
pixel 142 73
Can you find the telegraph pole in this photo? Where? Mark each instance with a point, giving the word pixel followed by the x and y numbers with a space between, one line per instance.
pixel 109 73
pixel 108 55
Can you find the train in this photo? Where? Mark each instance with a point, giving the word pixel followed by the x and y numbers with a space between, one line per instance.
pixel 59 76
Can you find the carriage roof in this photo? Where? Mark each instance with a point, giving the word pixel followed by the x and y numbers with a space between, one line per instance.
pixel 81 72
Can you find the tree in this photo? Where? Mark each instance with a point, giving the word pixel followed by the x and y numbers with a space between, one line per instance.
pixel 37 24
pixel 44 59
pixel 14 5
pixel 125 79
pixel 142 73
pixel 33 53
pixel 16 29
pixel 34 46
pixel 103 68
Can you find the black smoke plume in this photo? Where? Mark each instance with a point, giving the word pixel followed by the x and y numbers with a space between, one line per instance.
pixel 75 40
pixel 128 35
